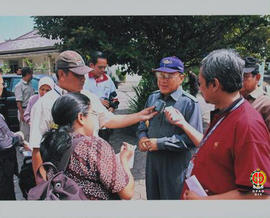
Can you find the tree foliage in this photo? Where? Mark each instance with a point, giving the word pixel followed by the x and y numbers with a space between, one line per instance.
pixel 141 41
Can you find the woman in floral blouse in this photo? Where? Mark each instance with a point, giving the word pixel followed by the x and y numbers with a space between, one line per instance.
pixel 93 164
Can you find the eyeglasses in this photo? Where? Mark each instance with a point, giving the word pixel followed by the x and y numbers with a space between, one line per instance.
pixel 161 75
pixel 247 75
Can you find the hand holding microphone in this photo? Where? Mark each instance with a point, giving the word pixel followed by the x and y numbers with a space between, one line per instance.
pixel 174 116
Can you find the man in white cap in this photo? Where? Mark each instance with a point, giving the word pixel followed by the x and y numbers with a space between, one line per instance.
pixel 70 71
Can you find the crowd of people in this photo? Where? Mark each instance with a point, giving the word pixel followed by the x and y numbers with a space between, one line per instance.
pixel 77 113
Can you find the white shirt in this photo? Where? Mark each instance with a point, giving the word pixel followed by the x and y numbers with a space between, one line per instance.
pixel 41 117
pixel 102 87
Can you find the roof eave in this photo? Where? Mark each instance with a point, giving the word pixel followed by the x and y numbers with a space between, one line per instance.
pixel 27 50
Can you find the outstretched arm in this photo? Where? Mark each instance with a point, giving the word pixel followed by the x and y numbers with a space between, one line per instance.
pixel 121 121
pixel 175 117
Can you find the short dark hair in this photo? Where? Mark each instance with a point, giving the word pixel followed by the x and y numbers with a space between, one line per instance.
pixel 64 112
pixel 65 71
pixel 26 70
pixel 95 56
pixel 225 65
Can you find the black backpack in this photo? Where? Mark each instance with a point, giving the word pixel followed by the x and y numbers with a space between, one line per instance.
pixel 26 176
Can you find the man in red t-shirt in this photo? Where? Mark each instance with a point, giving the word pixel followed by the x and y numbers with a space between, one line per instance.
pixel 234 154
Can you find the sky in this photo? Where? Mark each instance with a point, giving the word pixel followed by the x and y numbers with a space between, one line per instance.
pixel 12 27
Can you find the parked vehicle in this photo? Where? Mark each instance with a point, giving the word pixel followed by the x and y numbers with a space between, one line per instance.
pixel 8 106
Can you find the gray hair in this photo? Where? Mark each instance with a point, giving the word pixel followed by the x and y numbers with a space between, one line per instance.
pixel 225 65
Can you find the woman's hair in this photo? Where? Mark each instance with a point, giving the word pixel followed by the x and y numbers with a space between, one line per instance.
pixel 64 112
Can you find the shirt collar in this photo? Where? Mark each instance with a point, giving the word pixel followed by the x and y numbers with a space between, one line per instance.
pixel 24 82
pixel 177 93
pixel 59 90
pixel 102 78
pixel 256 93
pixel 219 113
pixel 174 95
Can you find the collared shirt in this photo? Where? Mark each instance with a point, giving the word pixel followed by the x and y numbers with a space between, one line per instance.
pixel 170 137
pixel 102 86
pixel 237 147
pixel 218 114
pixel 41 117
pixel 261 102
pixel 5 134
pixel 23 91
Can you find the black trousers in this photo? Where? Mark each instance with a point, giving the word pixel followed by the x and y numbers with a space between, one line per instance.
pixel 8 168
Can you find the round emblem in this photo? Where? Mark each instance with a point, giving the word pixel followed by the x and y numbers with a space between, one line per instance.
pixel 258 178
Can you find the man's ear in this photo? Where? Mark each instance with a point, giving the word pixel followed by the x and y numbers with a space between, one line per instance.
pixel 216 84
pixel 92 65
pixel 80 119
pixel 61 74
pixel 258 77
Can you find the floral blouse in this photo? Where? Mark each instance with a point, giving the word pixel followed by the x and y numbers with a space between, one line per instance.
pixel 94 166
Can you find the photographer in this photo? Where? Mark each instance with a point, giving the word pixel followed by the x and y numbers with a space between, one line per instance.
pixel 100 83
pixel 168 148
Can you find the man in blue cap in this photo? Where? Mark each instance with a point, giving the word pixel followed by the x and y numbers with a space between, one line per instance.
pixel 168 148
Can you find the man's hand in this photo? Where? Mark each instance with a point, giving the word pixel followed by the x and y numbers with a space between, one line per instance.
pixel 20 134
pixel 142 144
pixel 190 195
pixel 111 109
pixel 175 117
pixel 105 103
pixel 152 144
pixel 26 146
pixel 147 113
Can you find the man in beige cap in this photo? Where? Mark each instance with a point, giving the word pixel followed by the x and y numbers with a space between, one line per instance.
pixel 70 71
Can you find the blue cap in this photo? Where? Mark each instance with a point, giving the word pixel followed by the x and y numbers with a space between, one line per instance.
pixel 170 65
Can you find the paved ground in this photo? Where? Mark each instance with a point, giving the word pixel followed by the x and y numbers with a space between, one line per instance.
pixel 125 92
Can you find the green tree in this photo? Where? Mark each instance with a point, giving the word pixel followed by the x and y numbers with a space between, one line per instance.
pixel 141 41
pixel 6 69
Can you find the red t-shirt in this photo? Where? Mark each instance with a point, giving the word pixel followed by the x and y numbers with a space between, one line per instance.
pixel 239 145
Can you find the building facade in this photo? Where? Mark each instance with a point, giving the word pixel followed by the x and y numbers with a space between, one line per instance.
pixel 31 50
